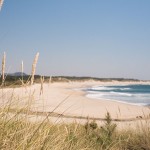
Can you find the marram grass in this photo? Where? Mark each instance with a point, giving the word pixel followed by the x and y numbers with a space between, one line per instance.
pixel 34 68
pixel 17 132
pixel 1 4
pixel 3 68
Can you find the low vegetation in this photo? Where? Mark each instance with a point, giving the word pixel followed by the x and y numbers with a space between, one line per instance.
pixel 17 132
pixel 16 80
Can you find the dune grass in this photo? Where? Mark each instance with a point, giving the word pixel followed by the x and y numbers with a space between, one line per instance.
pixel 20 129
pixel 18 132
pixel 1 4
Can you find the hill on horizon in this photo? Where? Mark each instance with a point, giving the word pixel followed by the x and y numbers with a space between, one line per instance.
pixel 17 74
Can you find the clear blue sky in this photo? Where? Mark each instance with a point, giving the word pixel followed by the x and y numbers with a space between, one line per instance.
pixel 100 38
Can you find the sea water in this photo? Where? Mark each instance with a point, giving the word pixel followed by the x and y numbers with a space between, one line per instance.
pixel 132 94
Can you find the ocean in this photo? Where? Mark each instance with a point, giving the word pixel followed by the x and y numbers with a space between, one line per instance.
pixel 131 94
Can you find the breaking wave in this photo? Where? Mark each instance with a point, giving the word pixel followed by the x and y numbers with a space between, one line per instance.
pixel 132 94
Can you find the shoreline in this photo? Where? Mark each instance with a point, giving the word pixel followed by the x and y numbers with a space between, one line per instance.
pixel 121 102
pixel 68 105
pixel 74 102
pixel 92 94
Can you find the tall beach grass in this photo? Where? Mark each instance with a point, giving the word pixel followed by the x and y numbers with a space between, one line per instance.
pixel 1 4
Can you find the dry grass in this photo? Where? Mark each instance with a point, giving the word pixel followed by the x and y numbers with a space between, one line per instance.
pixel 50 79
pixel 22 71
pixel 1 4
pixel 3 68
pixel 17 132
pixel 42 82
pixel 34 68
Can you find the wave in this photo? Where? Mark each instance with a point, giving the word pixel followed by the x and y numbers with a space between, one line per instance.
pixel 102 97
pixel 102 88
pixel 123 89
pixel 129 94
pixel 135 94
pixel 123 94
pixel 108 88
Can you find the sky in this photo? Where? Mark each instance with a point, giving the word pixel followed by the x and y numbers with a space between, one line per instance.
pixel 98 38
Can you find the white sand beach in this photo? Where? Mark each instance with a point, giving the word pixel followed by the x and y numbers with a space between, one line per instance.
pixel 66 98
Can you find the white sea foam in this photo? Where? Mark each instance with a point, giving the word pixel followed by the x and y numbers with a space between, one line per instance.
pixel 123 94
pixel 108 88
pixel 102 88
pixel 100 97
pixel 110 93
